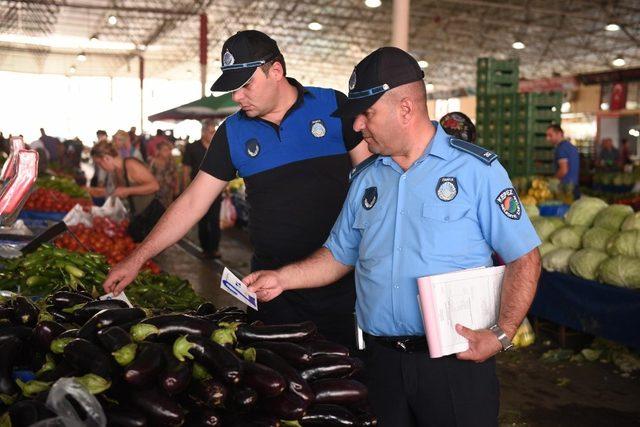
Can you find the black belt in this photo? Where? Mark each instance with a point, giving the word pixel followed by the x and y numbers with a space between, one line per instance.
pixel 404 344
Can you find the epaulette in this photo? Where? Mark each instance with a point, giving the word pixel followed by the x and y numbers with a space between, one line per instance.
pixel 362 166
pixel 476 151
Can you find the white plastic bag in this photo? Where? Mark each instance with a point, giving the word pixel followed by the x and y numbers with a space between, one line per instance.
pixel 67 416
pixel 76 216
pixel 228 214
pixel 112 208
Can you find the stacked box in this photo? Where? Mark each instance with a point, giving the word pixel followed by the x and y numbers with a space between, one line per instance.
pixel 497 76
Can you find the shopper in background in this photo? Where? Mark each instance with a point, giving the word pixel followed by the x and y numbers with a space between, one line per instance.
pixel 609 156
pixel 625 153
pixel 566 157
pixel 52 145
pixel 163 167
pixel 122 142
pixel 209 224
pixel 152 144
pixel 133 181
pixel 4 144
pixel 426 203
pixel 99 178
pixel 294 158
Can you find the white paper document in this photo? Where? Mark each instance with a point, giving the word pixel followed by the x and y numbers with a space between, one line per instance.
pixel 469 297
pixel 121 296
pixel 231 284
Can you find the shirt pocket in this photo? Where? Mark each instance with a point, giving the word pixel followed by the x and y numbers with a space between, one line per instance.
pixel 448 228
pixel 375 244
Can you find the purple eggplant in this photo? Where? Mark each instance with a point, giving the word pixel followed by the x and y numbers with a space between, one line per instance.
pixel 67 299
pixel 146 366
pixel 204 417
pixel 243 399
pixel 266 381
pixel 172 326
pixel 205 308
pixel 92 308
pixel 61 316
pixel 295 354
pixel 62 369
pixel 292 332
pixel 287 406
pixel 209 392
pixel 325 348
pixel 339 391
pixel 214 357
pixel 125 416
pixel 25 312
pixel 28 412
pixel 118 342
pixel 160 409
pixel 328 415
pixel 45 332
pixel 22 332
pixel 295 382
pixel 10 349
pixel 176 376
pixel 6 313
pixel 88 357
pixel 107 318
pixel 332 366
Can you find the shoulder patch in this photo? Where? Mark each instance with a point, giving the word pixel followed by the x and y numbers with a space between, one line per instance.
pixel 482 154
pixel 362 166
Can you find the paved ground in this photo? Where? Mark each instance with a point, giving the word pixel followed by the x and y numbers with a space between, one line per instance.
pixel 533 393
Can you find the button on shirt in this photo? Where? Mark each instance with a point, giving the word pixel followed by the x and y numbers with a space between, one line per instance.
pixel 396 226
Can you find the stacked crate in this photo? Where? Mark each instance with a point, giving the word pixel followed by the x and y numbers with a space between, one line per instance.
pixel 513 125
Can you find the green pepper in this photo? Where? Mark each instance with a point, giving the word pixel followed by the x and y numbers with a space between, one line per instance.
pixel 36 281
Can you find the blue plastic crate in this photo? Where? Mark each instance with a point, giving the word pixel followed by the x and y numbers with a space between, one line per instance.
pixel 553 210
pixel 48 216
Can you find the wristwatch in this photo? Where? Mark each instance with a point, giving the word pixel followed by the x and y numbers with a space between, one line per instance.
pixel 502 337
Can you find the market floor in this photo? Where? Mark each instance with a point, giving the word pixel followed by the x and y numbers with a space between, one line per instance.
pixel 533 392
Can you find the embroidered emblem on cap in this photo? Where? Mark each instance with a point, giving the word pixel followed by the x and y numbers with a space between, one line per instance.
pixel 509 203
pixel 228 59
pixel 317 128
pixel 253 148
pixel 370 198
pixel 352 80
pixel 447 188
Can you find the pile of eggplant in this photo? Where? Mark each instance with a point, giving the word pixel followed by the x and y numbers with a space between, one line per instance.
pixel 205 367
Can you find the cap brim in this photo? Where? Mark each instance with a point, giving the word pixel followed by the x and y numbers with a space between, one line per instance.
pixel 232 80
pixel 353 107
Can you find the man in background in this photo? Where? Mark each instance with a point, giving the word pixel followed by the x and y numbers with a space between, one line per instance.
pixel 567 158
pixel 609 156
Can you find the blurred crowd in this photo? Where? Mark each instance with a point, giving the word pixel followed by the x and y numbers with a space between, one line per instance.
pixel 610 158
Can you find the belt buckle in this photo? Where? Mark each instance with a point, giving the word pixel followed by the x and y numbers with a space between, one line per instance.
pixel 403 345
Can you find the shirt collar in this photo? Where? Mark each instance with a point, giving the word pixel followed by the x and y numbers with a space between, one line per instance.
pixel 302 91
pixel 439 147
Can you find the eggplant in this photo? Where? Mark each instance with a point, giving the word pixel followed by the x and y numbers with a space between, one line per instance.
pixel 287 406
pixel 205 308
pixel 28 412
pixel 295 382
pixel 62 369
pixel 110 317
pixel 204 417
pixel 67 299
pixel 45 332
pixel 6 313
pixel 118 342
pixel 324 348
pixel 146 366
pixel 69 333
pixel 88 357
pixel 172 326
pixel 295 332
pixel 160 409
pixel 328 415
pixel 10 349
pixel 61 316
pixel 25 312
pixel 22 332
pixel 243 399
pixel 92 308
pixel 266 381
pixel 176 375
pixel 125 416
pixel 339 391
pixel 332 366
pixel 210 392
pixel 295 354
pixel 214 357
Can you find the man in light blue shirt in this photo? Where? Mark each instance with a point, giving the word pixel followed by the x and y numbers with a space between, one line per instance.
pixel 425 204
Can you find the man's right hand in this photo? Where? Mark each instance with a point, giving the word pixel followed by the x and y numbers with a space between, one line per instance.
pixel 266 284
pixel 121 275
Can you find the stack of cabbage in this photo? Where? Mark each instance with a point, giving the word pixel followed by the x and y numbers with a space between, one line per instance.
pixel 594 241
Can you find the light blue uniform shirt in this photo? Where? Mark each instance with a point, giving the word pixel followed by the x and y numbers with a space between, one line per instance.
pixel 448 212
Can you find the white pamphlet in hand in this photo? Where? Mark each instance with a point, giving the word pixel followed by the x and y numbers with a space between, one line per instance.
pixel 470 298
pixel 230 283
pixel 121 296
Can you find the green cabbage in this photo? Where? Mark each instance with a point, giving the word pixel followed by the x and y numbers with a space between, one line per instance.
pixel 545 226
pixel 596 238
pixel 625 243
pixel 612 217
pixel 632 222
pixel 621 271
pixel 532 211
pixel 557 260
pixel 546 247
pixel 584 211
pixel 585 263
pixel 568 237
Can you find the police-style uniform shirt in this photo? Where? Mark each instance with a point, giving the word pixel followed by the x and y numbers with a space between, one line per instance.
pixel 296 174
pixel 449 211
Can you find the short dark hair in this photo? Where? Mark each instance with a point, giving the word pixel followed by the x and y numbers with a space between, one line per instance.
pixel 280 58
pixel 101 132
pixel 556 128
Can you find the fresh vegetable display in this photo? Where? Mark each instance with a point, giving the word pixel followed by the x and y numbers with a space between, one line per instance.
pixel 167 368
pixel 50 269
pixel 63 185
pixel 50 200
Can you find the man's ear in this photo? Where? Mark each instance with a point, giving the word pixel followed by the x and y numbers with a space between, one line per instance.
pixel 407 109
pixel 276 72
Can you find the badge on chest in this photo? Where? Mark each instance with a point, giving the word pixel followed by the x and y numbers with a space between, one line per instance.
pixel 370 198
pixel 447 188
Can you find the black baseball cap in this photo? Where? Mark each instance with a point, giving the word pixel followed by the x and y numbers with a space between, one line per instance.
pixel 380 71
pixel 241 54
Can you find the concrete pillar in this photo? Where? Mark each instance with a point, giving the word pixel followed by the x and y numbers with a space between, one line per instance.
pixel 400 27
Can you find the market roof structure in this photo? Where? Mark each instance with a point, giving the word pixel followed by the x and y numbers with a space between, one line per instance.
pixel 560 37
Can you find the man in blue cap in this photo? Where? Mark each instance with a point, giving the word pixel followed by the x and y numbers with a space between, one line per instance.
pixel 294 157
pixel 426 203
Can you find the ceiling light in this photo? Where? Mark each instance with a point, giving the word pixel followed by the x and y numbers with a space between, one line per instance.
pixel 72 70
pixel 430 87
pixel 554 109
pixel 634 132
pixel 81 57
pixel 372 3
pixel 112 20
pixel 423 64
pixel 565 107
pixel 142 47
pixel 518 45
pixel 604 106
pixel 315 26
pixel 612 27
pixel 618 62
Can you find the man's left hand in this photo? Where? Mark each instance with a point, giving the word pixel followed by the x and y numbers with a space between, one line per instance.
pixel 483 344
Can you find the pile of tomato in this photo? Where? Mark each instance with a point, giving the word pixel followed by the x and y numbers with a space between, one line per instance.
pixel 50 200
pixel 105 237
